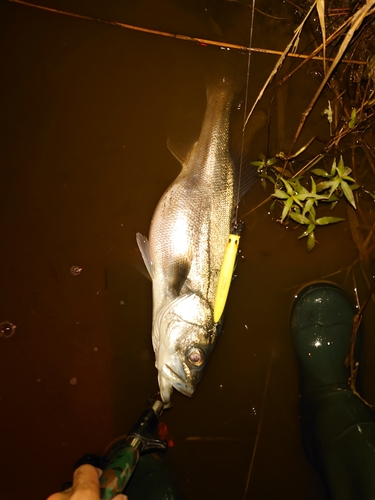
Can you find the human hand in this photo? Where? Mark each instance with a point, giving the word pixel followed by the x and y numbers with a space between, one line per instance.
pixel 85 486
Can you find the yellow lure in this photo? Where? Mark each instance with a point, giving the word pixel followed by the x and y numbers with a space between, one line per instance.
pixel 226 274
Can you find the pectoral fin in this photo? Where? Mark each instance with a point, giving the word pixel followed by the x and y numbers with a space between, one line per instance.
pixel 178 273
pixel 142 242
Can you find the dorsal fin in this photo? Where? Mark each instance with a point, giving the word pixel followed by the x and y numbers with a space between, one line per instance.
pixel 180 151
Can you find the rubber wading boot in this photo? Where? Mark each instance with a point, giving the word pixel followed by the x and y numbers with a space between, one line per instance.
pixel 338 429
pixel 151 480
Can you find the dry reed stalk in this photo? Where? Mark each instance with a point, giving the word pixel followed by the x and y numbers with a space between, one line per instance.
pixel 355 23
pixel 320 9
pixel 357 235
pixel 291 44
pixel 350 361
pixel 201 41
pixel 311 56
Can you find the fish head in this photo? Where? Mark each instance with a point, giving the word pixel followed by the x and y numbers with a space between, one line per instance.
pixel 187 335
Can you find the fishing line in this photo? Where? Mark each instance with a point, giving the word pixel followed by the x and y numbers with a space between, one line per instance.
pixel 245 106
pixel 231 250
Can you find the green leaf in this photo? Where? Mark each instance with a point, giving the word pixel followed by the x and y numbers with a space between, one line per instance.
pixel 348 193
pixel 353 187
pixel 301 189
pixel 308 206
pixel 289 188
pixel 353 119
pixel 271 161
pixel 280 194
pixel 310 241
pixel 322 186
pixel 335 184
pixel 323 221
pixel 301 219
pixel 257 163
pixel 341 166
pixel 272 206
pixel 296 200
pixel 322 197
pixel 333 168
pixel 320 172
pixel 304 196
pixel 313 185
pixel 332 199
pixel 312 214
pixel 334 204
pixel 264 184
pixel 287 206
pixel 271 179
pixel 309 230
pixel 347 178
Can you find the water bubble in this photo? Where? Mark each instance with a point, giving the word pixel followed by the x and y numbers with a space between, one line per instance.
pixel 75 270
pixel 7 329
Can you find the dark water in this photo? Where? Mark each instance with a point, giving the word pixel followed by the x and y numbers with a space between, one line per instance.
pixel 86 110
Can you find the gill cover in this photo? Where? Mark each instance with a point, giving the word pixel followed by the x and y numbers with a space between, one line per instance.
pixel 185 344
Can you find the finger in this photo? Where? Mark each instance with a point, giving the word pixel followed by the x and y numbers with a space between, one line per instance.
pixel 85 486
pixel 65 495
pixel 85 483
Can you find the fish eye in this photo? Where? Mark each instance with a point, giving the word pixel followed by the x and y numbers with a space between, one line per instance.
pixel 195 356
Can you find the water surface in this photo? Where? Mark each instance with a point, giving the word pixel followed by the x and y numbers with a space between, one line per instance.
pixel 86 112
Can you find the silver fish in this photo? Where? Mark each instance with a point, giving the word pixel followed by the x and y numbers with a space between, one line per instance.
pixel 187 240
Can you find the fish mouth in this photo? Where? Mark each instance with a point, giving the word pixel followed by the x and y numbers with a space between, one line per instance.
pixel 175 380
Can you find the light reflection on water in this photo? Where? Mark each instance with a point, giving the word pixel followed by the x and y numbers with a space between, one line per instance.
pixel 87 110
